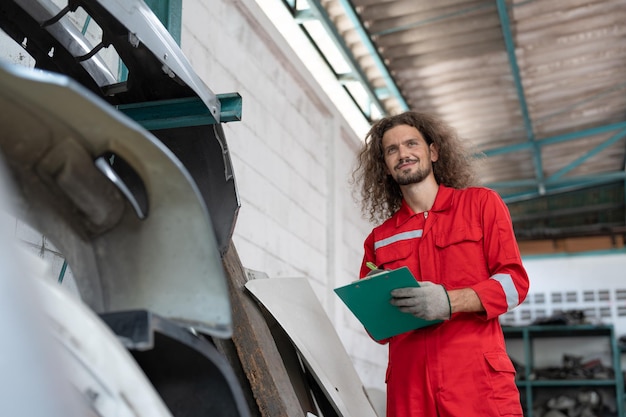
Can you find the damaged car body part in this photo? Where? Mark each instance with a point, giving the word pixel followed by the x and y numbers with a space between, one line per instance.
pixel 160 88
pixel 120 159
pixel 140 230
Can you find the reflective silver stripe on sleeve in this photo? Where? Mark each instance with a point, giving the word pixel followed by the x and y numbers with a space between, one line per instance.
pixel 512 296
pixel 396 238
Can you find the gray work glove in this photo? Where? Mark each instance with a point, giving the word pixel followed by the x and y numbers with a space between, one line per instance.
pixel 428 301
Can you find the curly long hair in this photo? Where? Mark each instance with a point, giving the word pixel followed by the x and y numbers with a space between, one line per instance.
pixel 379 192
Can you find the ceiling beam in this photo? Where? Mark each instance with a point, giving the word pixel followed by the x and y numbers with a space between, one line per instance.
pixel 555 184
pixel 574 164
pixel 555 139
pixel 318 13
pixel 366 39
pixel 376 95
pixel 505 23
pixel 559 186
pixel 462 12
pixel 569 211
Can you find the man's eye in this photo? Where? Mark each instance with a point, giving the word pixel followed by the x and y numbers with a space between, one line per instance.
pixel 390 151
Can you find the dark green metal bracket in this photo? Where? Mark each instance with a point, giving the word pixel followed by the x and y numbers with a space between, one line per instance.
pixel 169 13
pixel 183 112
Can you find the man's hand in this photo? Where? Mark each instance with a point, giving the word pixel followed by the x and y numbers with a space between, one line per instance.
pixel 428 301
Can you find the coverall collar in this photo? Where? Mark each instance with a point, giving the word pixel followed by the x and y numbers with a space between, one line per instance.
pixel 443 201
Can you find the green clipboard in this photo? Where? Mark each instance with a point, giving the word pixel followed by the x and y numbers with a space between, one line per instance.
pixel 369 300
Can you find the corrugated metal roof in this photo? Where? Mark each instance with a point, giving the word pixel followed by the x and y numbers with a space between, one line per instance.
pixel 538 86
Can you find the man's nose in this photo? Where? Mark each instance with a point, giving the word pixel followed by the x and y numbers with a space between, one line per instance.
pixel 404 152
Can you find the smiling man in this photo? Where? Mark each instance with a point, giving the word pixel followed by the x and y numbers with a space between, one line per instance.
pixel 416 179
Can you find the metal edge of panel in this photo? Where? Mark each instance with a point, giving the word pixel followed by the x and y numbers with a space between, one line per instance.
pixel 143 23
pixel 41 93
pixel 292 302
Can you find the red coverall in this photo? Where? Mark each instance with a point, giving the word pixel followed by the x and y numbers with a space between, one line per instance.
pixel 458 368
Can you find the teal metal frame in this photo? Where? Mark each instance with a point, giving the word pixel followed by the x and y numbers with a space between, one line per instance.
pixel 169 13
pixel 503 13
pixel 166 114
pixel 179 112
pixel 556 182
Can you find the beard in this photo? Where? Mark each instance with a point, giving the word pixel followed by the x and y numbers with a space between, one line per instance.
pixel 413 177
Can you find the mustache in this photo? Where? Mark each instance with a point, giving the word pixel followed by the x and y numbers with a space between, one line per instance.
pixel 404 161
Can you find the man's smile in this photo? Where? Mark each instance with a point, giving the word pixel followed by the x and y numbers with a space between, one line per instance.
pixel 405 163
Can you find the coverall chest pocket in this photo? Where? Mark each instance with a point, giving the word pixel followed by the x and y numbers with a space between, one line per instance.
pixel 460 256
pixel 395 255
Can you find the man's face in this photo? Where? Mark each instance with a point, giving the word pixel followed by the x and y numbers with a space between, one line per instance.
pixel 407 155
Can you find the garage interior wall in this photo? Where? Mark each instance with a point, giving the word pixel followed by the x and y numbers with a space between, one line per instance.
pixel 292 154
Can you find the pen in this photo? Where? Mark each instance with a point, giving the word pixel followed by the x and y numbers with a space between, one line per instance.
pixel 371 265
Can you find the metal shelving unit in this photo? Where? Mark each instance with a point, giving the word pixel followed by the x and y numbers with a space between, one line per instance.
pixel 530 387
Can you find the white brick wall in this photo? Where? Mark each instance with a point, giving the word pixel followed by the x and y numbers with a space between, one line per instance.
pixel 292 155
